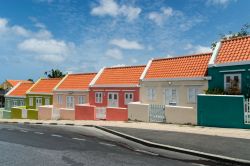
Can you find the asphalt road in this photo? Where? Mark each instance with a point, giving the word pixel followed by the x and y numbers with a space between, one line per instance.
pixel 35 145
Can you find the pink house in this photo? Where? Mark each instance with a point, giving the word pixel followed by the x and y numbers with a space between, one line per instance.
pixel 71 91
pixel 110 92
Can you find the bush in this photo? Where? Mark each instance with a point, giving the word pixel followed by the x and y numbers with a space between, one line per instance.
pixel 216 91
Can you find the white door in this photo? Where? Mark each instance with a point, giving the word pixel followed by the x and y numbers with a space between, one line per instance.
pixel 38 102
pixel 170 96
pixel 113 100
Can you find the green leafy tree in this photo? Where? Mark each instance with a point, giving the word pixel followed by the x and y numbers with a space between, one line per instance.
pixel 54 73
pixel 31 80
pixel 243 32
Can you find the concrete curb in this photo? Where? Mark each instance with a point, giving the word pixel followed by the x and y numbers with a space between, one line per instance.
pixel 177 149
pixel 149 143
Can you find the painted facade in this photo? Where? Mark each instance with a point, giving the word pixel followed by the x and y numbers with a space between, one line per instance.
pixel 71 91
pixel 38 94
pixel 17 95
pixel 111 91
pixel 174 83
pixel 229 69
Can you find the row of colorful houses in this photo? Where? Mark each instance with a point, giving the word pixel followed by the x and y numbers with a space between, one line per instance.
pixel 163 90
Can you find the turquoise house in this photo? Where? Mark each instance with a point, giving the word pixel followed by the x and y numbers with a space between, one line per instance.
pixel 229 69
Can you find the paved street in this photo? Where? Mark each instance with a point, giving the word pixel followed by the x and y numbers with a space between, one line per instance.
pixel 28 145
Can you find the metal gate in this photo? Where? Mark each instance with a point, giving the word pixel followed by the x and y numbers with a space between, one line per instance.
pixel 247 111
pixel 100 112
pixel 157 113
pixel 55 114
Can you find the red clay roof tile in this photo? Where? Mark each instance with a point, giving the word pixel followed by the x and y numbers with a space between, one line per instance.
pixel 15 82
pixel 21 89
pixel 45 85
pixel 234 50
pixel 76 81
pixel 128 75
pixel 179 67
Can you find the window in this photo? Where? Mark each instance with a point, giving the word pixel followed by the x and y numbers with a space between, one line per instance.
pixel 192 94
pixel 70 102
pixel 21 103
pixel 151 94
pixel 47 101
pixel 171 96
pixel 98 97
pixel 81 100
pixel 15 103
pixel 113 100
pixel 59 99
pixel 129 97
pixel 232 83
pixel 31 101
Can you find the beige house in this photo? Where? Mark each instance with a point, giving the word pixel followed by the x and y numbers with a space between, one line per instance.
pixel 171 85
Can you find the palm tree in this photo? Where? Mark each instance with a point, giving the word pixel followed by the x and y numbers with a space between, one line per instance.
pixel 54 73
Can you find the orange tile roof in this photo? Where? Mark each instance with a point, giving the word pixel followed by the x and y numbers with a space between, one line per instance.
pixel 179 67
pixel 234 50
pixel 76 81
pixel 21 89
pixel 128 75
pixel 45 85
pixel 15 82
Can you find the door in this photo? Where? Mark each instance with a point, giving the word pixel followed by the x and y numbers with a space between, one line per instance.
pixel 170 96
pixel 38 102
pixel 113 100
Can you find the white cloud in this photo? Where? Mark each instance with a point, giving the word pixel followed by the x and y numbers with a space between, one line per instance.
pixel 43 46
pixel 163 15
pixel 3 22
pixel 197 48
pixel 223 3
pixel 111 8
pixel 49 50
pixel 125 44
pixel 114 53
pixel 133 60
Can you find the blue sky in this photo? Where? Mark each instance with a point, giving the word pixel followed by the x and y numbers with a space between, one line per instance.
pixel 85 35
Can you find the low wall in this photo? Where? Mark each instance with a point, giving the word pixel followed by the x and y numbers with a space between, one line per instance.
pixel 16 113
pixel 180 115
pixel 221 111
pixel 67 114
pixel 45 112
pixel 32 114
pixel 117 114
pixel 5 114
pixel 85 112
pixel 138 111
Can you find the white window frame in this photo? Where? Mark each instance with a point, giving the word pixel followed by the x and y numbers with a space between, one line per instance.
pixel 128 100
pixel 232 75
pixel 98 97
pixel 47 101
pixel 15 103
pixel 171 101
pixel 196 92
pixel 21 103
pixel 31 100
pixel 151 93
pixel 59 99
pixel 70 103
pixel 81 100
